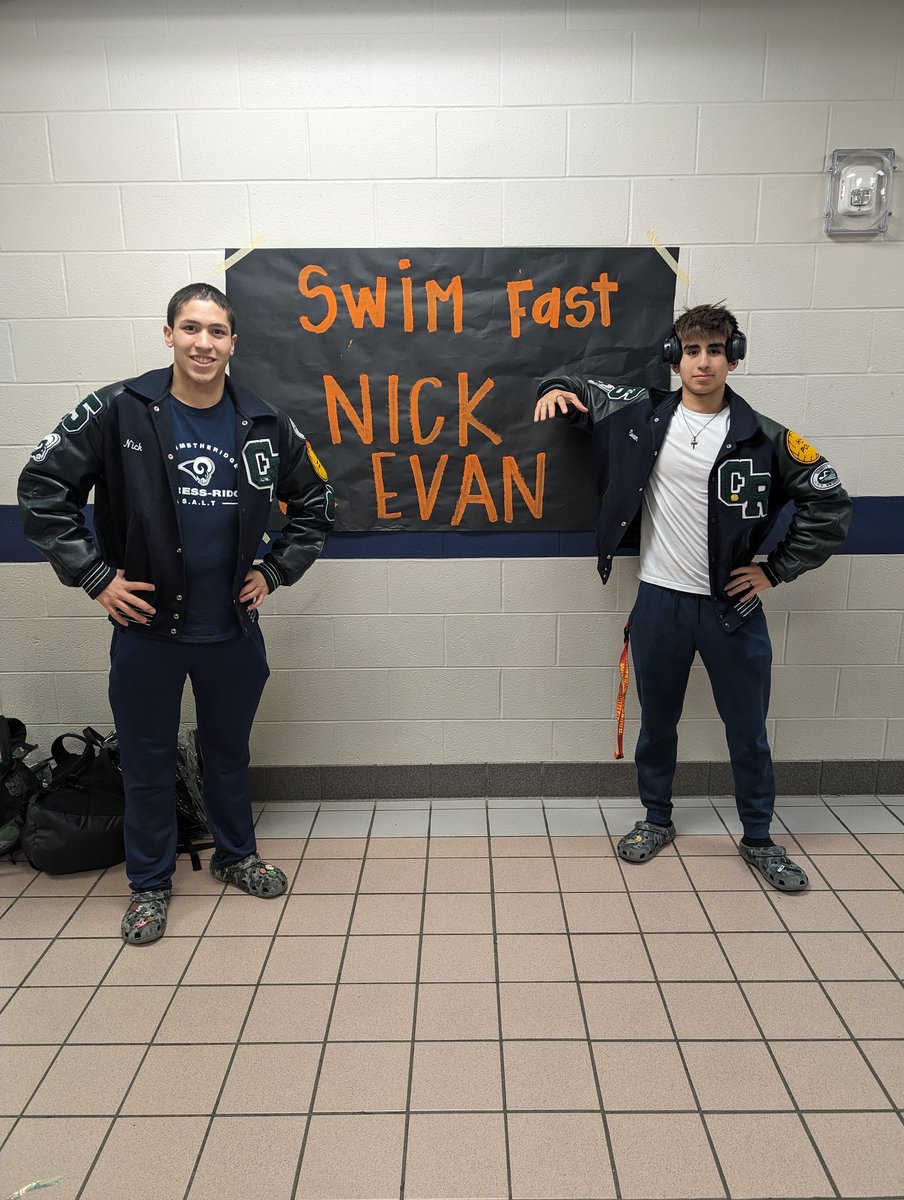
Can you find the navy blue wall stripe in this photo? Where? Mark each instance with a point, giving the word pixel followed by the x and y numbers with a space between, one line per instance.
pixel 877 528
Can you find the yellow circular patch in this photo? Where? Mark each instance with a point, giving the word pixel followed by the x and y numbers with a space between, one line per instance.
pixel 319 468
pixel 800 450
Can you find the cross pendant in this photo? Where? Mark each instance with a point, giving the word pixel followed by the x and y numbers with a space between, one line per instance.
pixel 693 443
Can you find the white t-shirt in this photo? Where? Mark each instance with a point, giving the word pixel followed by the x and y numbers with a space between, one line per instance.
pixel 673 532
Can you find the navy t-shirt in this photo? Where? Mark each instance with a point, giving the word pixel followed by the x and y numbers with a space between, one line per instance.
pixel 209 515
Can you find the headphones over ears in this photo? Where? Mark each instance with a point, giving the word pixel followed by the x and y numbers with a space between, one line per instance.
pixel 735 348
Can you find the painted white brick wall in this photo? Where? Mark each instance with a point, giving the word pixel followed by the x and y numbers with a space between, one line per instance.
pixel 134 147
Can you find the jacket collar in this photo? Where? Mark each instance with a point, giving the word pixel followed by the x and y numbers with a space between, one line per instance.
pixel 744 421
pixel 154 385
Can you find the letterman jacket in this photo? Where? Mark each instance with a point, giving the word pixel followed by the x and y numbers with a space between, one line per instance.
pixel 119 441
pixel 759 469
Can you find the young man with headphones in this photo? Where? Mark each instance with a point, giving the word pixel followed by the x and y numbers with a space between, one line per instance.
pixel 696 479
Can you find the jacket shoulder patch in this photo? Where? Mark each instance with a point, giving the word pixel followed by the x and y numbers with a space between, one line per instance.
pixel 800 450
pixel 824 478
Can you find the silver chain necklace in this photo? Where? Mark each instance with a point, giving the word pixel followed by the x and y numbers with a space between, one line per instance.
pixel 696 435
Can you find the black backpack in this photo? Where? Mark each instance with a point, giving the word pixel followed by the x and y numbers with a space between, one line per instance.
pixel 17 782
pixel 74 822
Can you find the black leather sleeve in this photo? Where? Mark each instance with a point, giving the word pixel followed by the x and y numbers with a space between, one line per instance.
pixel 53 491
pixel 309 504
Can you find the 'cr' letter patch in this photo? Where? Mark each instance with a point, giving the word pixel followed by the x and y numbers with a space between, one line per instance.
pixel 740 485
pixel 261 464
pixel 800 450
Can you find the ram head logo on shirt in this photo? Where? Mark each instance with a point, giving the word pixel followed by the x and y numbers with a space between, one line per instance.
pixel 201 469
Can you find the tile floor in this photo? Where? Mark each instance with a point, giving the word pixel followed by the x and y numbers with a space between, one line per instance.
pixel 469 998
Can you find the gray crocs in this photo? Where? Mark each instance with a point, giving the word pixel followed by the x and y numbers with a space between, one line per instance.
pixel 775 866
pixel 145 918
pixel 645 840
pixel 253 876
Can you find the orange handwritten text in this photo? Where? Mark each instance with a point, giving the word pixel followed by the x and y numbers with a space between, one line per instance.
pixel 547 308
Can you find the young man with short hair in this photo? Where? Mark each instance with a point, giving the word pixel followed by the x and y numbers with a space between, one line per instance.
pixel 184 465
pixel 696 479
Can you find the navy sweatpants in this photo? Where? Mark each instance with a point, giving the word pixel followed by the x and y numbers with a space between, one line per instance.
pixel 667 629
pixel 147 677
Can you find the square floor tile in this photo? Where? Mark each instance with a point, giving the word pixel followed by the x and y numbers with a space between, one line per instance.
pixel 854 871
pixel 325 847
pixel 520 847
pixel 363 1077
pixel 304 960
pixel 241 1151
pixel 721 873
pixel 870 1009
pixel 458 847
pixel 821 911
pixel 21 1069
pixel 887 1058
pixel 456 1076
pixel 576 846
pixel 541 1010
pixel 178 1079
pixel 517 822
pixel 18 957
pixel 269 1078
pixel 15 877
pixel 387 914
pixel 664 873
pixel 842 956
pixel 534 957
pixel 625 1010
pixel 228 960
pixel 740 912
pixel 891 947
pixel 380 958
pixel 793 1010
pixel 315 914
pixel 373 1012
pixel 78 884
pixel 160 962
pixel 801 819
pixel 523 912
pixel 875 910
pixel 706 845
pixel 867 819
pixel 455 1154
pixel 575 822
pixel 691 956
pixel 273 823
pixel 764 956
pixel 609 957
pixel 148 1175
pixel 768 1154
pixel 76 961
pixel 352 1156
pixel 248 916
pixel 458 875
pixel 86 1081
pixel 393 875
pixel 397 847
pixel 829 843
pixel 863 1151
pixel 525 875
pixel 40 917
pixel 457 1010
pixel 327 876
pixel 828 1075
pixel 682 1167
pixel 459 913
pixel 599 912
pixel 709 1010
pixel 642 1075
pixel 559 1154
pixel 204 1014
pixel 549 1075
pixel 338 823
pixel 402 823
pixel 69 1145
pixel 670 912
pixel 41 1016
pixel 735 1076
pixel 464 958
pixel 458 822
pixel 587 874
pixel 288 1013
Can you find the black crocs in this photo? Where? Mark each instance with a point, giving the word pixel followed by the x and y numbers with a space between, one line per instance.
pixel 253 876
pixel 775 866
pixel 644 841
pixel 145 918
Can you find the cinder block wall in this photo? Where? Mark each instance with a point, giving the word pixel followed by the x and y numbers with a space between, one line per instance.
pixel 137 140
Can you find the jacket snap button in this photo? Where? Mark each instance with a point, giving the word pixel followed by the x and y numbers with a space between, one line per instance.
pixel 170 456
pixel 624 523
pixel 172 631
pixel 178 597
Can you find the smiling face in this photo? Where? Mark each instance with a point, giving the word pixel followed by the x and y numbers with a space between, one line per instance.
pixel 202 342
pixel 703 367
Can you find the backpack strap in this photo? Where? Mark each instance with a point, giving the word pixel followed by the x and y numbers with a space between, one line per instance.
pixel 69 766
